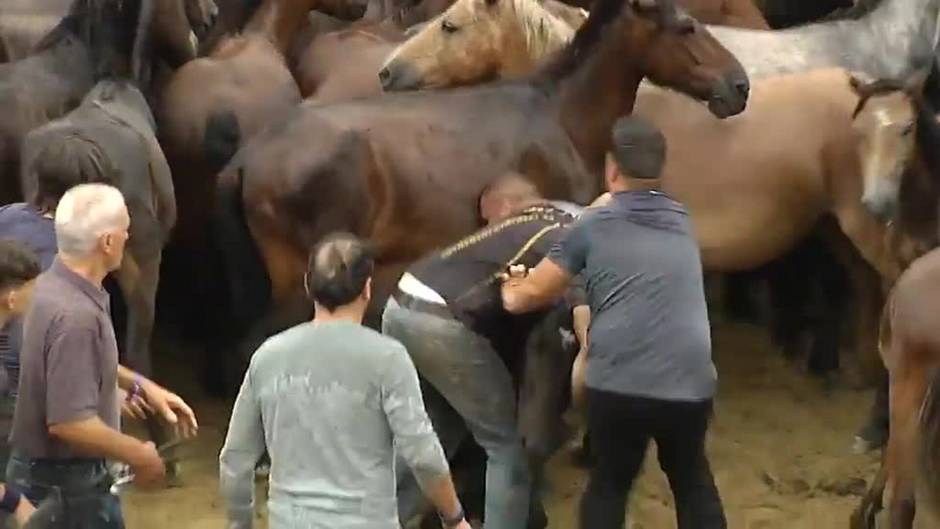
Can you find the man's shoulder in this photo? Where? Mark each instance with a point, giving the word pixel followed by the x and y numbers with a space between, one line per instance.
pixel 306 335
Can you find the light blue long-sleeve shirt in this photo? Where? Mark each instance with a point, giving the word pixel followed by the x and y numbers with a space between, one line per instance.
pixel 332 403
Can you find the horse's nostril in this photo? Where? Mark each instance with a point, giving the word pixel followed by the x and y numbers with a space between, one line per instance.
pixel 742 86
pixel 384 75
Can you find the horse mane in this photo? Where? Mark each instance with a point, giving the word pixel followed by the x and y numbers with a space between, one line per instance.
pixel 603 14
pixel 872 89
pixel 113 30
pixel 543 31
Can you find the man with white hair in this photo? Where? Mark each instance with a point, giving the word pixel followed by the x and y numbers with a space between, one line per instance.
pixel 66 422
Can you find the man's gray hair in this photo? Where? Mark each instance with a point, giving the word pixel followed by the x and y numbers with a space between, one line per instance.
pixel 639 148
pixel 84 213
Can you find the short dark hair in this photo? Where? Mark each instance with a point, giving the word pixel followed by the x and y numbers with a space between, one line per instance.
pixel 338 269
pixel 639 148
pixel 18 264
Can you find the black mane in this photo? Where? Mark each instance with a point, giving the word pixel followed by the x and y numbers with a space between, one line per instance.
pixel 589 35
pixel 113 31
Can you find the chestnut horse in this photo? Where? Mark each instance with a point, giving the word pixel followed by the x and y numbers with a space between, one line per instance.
pixel 209 108
pixel 406 170
pixel 64 66
pixel 902 185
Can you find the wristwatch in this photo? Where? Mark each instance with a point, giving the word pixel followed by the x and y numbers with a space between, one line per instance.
pixel 11 499
pixel 453 521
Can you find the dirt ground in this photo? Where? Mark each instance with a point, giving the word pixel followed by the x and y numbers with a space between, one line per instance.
pixel 779 447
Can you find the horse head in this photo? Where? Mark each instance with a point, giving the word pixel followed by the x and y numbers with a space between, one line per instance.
pixel 682 54
pixel 884 123
pixel 178 26
pixel 474 41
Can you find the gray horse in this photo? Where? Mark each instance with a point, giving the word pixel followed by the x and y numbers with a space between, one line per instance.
pixel 892 41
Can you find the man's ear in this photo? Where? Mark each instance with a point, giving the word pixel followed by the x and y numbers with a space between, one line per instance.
pixel 367 290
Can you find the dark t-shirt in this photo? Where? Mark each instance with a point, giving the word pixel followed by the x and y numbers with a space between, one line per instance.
pixel 640 262
pixel 69 363
pixel 463 274
pixel 24 224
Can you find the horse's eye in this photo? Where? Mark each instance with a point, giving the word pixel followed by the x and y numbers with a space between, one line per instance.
pixel 685 25
pixel 908 129
pixel 447 27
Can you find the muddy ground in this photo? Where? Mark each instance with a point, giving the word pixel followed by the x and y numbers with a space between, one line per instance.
pixel 779 446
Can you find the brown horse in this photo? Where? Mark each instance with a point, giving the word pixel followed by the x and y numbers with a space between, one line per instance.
pixel 111 138
pixel 738 13
pixel 902 185
pixel 207 110
pixel 64 66
pixel 23 23
pixel 406 170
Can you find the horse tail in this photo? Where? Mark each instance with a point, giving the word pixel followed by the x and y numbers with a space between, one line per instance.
pixel 221 139
pixel 930 438
pixel 239 260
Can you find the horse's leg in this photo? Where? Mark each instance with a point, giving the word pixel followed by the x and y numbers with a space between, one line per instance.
pixel 901 458
pixel 866 514
pixel 139 278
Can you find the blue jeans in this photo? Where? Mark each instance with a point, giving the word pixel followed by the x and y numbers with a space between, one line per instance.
pixel 466 387
pixel 71 494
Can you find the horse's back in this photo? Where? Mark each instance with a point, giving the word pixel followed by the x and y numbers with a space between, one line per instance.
pixel 915 303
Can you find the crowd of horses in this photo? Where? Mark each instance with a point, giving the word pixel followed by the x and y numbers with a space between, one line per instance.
pixel 242 133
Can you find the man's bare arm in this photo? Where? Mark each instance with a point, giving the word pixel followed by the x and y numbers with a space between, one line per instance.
pixel 94 438
pixel 541 287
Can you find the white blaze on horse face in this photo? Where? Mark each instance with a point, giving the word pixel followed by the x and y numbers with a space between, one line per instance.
pixel 887 147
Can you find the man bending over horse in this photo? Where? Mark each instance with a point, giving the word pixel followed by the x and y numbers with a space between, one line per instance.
pixel 448 314
pixel 327 399
pixel 649 368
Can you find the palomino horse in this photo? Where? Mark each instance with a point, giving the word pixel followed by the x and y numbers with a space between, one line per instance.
pixel 475 40
pixel 413 165
pixel 64 66
pixel 23 23
pixel 327 73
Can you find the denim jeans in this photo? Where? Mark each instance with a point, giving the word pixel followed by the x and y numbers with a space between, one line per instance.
pixel 70 494
pixel 466 387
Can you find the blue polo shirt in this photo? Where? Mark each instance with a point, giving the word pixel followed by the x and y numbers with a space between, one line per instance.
pixel 642 270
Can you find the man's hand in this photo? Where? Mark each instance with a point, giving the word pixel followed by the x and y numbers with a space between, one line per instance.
pixel 171 407
pixel 148 467
pixel 135 407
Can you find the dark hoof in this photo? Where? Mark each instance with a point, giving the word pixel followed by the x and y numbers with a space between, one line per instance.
pixel 865 516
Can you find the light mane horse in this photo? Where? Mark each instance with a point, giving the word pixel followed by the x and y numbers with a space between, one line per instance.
pixel 507 38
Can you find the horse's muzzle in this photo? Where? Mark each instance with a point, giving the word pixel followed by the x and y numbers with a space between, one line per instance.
pixel 399 76
pixel 730 95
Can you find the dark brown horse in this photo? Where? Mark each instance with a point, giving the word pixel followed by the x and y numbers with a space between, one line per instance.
pixel 64 66
pixel 208 110
pixel 23 23
pixel 406 170
pixel 110 138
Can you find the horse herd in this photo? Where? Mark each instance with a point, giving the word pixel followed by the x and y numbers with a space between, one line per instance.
pixel 242 133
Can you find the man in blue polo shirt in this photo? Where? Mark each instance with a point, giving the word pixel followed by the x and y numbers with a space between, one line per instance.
pixel 649 368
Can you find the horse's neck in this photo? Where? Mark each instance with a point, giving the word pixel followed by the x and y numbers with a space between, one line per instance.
pixel 907 30
pixel 278 20
pixel 597 92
